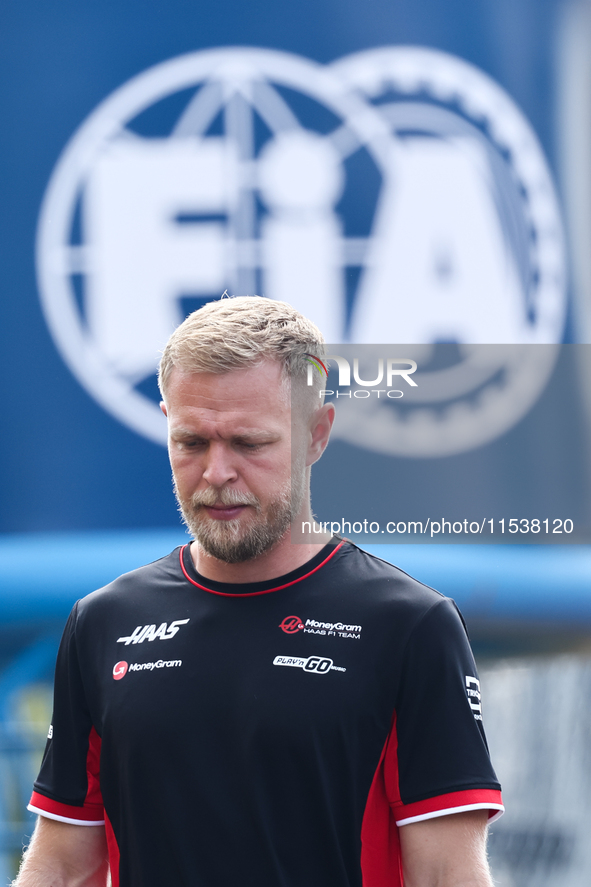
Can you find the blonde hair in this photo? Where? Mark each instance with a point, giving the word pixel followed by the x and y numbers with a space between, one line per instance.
pixel 240 332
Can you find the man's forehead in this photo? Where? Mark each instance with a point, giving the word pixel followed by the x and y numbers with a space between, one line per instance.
pixel 250 392
pixel 266 376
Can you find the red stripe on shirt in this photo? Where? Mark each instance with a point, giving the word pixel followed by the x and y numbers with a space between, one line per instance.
pixel 93 771
pixel 380 845
pixel 113 848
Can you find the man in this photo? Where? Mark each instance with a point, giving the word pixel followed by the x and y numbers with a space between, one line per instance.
pixel 205 733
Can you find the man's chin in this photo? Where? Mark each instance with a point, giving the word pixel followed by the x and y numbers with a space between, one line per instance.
pixel 234 551
pixel 232 542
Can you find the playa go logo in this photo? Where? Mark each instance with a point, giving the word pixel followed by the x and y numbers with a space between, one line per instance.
pixel 291 624
pixel 311 664
pixel 120 670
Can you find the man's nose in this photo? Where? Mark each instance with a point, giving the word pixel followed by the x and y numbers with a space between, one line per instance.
pixel 219 468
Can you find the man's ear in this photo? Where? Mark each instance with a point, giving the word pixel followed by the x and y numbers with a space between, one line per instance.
pixel 163 407
pixel 320 428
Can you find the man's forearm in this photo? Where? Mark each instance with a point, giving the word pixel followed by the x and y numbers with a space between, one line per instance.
pixel 63 855
pixel 447 851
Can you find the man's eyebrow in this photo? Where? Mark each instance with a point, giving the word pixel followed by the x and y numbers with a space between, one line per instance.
pixel 185 434
pixel 254 436
pixel 246 434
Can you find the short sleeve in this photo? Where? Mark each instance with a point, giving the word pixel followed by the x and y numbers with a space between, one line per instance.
pixel 437 759
pixel 68 787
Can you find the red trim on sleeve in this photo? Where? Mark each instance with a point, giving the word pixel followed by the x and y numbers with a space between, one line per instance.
pixel 253 593
pixel 449 802
pixel 475 797
pixel 113 848
pixel 87 813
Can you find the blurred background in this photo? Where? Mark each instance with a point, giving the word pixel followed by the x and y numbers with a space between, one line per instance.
pixel 403 172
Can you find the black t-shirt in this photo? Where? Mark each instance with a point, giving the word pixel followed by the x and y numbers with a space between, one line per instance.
pixel 273 734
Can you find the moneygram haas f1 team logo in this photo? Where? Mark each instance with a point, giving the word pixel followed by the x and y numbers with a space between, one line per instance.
pixel 293 624
pixel 261 183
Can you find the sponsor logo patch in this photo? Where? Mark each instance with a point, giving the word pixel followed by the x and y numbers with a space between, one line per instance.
pixel 473 693
pixel 292 624
pixel 120 670
pixel 150 666
pixel 313 664
pixel 142 633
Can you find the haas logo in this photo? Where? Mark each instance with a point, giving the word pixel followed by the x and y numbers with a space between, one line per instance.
pixel 291 624
pixel 120 670
pixel 150 633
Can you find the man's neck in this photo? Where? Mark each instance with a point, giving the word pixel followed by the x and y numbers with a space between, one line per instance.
pixel 284 557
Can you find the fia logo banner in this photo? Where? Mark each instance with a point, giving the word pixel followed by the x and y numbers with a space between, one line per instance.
pixel 255 184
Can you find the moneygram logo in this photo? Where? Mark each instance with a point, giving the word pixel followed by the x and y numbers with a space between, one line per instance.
pixel 120 670
pixel 463 242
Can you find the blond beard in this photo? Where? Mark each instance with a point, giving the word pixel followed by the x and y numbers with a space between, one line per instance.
pixel 235 541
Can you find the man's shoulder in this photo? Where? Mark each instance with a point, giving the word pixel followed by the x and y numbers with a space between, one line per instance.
pixel 384 584
pixel 388 602
pixel 159 575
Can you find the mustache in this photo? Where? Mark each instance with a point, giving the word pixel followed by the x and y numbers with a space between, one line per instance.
pixel 223 496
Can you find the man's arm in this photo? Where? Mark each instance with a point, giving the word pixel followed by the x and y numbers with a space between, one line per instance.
pixel 446 851
pixel 63 855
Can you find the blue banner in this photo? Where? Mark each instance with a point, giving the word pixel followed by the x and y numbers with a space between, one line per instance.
pixel 391 170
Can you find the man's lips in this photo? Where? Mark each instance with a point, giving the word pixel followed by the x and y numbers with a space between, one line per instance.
pixel 224 512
